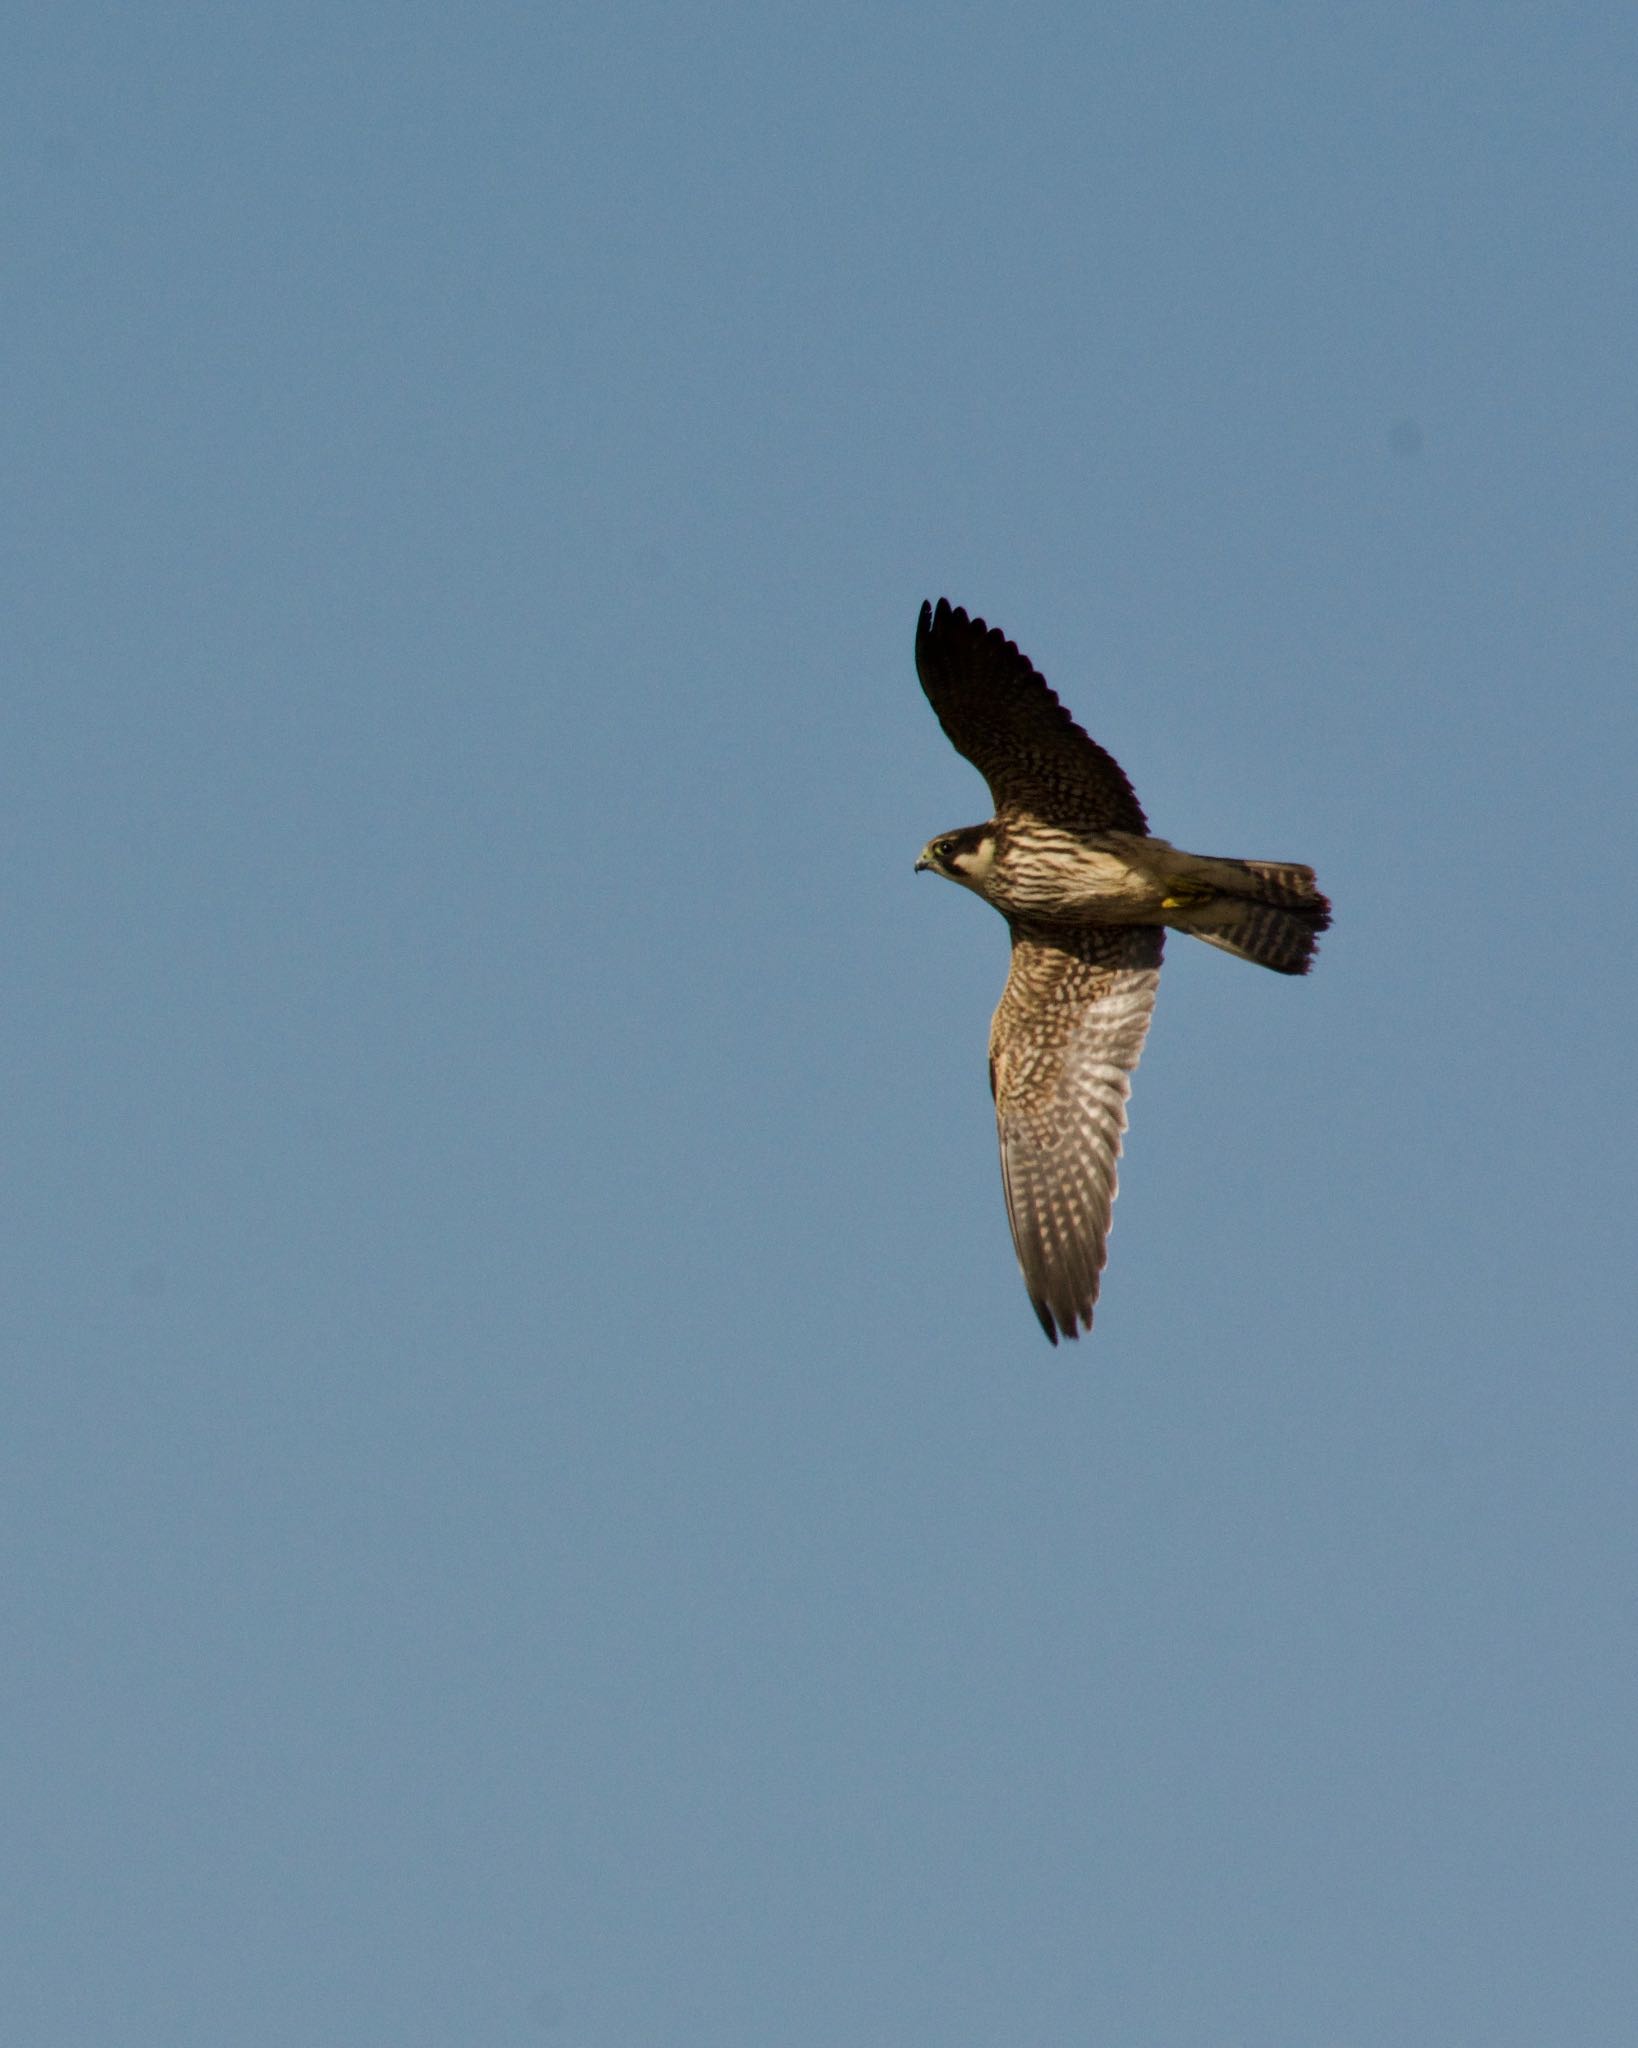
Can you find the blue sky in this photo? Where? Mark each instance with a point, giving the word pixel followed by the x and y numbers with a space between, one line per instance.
pixel 536 1509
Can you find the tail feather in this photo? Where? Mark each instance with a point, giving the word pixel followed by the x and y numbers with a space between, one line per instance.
pixel 1269 912
pixel 1286 881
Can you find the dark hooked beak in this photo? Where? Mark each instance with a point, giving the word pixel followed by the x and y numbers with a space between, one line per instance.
pixel 922 862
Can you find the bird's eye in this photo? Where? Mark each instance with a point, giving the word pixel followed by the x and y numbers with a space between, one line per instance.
pixel 945 849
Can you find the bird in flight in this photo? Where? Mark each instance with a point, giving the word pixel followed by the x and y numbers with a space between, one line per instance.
pixel 1069 862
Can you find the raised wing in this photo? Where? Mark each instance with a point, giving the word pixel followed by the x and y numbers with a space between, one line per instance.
pixel 1000 713
pixel 1068 1032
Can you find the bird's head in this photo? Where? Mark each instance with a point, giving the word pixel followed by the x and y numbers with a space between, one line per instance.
pixel 967 856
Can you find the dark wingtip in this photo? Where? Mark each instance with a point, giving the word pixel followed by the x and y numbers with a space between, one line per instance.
pixel 966 629
pixel 937 618
pixel 931 616
pixel 1057 1329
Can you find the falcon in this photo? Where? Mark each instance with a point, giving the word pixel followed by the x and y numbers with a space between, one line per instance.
pixel 1087 892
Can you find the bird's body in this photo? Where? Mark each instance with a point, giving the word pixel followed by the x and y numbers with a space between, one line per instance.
pixel 1026 867
pixel 1069 861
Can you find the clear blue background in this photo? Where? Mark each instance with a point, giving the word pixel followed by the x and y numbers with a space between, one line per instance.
pixel 535 1508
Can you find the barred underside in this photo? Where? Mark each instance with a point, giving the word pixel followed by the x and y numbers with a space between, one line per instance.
pixel 1068 1032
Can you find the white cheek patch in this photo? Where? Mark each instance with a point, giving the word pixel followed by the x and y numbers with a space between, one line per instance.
pixel 976 866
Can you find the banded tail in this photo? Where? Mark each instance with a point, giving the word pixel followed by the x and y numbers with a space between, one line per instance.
pixel 1266 911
